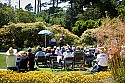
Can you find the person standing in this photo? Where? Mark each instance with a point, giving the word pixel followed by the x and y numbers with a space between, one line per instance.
pixel 52 42
pixel 11 59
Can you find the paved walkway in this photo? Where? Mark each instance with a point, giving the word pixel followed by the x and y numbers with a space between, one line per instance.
pixel 2 52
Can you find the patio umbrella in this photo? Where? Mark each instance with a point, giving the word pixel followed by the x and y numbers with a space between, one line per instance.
pixel 45 32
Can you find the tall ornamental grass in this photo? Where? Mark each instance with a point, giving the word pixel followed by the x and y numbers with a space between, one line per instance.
pixel 112 35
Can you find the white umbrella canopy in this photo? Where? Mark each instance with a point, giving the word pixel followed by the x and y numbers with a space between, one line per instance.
pixel 45 32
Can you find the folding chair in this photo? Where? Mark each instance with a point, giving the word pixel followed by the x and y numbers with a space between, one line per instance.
pixel 41 59
pixel 69 61
pixel 53 62
pixel 79 62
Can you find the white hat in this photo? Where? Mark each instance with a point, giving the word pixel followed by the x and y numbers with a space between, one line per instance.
pixel 11 51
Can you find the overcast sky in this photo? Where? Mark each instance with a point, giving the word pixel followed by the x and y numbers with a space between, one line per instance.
pixel 23 3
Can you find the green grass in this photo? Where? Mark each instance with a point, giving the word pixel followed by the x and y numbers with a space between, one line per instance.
pixel 55 71
pixel 2 61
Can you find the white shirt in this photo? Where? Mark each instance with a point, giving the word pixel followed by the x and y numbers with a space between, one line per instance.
pixel 11 60
pixel 58 52
pixel 67 54
pixel 102 59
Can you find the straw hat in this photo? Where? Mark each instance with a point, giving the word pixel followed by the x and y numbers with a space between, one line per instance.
pixel 11 51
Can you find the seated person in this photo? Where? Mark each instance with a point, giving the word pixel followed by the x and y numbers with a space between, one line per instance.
pixel 18 57
pixel 65 55
pixel 31 57
pixel 89 57
pixel 53 53
pixel 78 52
pixel 101 61
pixel 53 61
pixel 58 51
pixel 39 53
pixel 11 59
pixel 23 65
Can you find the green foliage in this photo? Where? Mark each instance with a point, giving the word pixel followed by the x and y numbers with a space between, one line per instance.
pixel 121 11
pixel 52 18
pixel 29 7
pixel 22 35
pixel 69 37
pixel 24 16
pixel 92 13
pixel 6 15
pixel 81 26
pixel 88 38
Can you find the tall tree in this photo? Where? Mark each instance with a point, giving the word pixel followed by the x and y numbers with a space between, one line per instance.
pixel 29 7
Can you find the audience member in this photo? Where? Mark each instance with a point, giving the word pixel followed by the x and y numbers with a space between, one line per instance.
pixel 65 55
pixel 39 53
pixel 11 59
pixel 23 65
pixel 58 51
pixel 101 61
pixel 31 59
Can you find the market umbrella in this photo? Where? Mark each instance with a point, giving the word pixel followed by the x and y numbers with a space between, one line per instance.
pixel 45 32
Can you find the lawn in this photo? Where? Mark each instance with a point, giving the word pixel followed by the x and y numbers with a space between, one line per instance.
pixel 2 61
pixel 55 71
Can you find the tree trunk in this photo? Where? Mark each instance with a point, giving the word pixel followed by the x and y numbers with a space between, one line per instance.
pixel 38 6
pixel 57 3
pixel 53 3
pixel 19 4
pixel 35 7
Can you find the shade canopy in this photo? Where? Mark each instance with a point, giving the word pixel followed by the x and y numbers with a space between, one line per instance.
pixel 45 32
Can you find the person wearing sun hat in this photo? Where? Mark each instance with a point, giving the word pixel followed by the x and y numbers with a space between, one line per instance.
pixel 11 59
pixel 101 61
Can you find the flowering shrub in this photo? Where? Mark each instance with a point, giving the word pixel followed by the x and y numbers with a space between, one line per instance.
pixel 78 77
pixel 111 34
pixel 28 77
pixel 47 77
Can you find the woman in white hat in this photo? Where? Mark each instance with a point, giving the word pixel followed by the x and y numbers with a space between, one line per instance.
pixel 11 59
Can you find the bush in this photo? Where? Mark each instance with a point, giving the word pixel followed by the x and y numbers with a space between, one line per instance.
pixel 69 37
pixel 88 37
pixel 46 77
pixel 111 34
pixel 28 77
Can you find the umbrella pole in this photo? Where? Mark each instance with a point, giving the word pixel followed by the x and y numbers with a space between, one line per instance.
pixel 45 40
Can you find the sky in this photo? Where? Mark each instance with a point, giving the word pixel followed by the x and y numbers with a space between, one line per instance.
pixel 23 3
